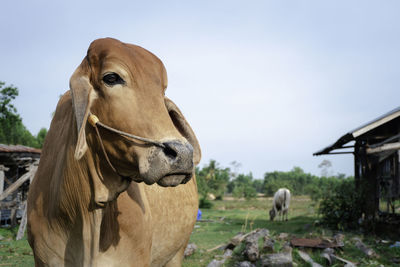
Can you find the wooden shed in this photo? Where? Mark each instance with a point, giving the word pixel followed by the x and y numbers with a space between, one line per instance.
pixel 376 149
pixel 18 165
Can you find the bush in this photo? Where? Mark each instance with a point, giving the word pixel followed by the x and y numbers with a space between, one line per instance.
pixel 314 192
pixel 340 207
pixel 246 191
pixel 205 203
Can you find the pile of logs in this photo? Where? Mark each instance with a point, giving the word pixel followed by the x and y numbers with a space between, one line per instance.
pixel 258 248
pixel 252 253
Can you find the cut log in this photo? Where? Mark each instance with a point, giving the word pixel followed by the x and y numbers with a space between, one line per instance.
pixel 216 263
pixel 327 254
pixel 189 250
pixel 308 259
pixel 236 240
pixel 251 241
pixel 251 251
pixel 366 250
pixel 346 262
pixel 245 264
pixel 278 260
pixel 339 239
pixel 268 245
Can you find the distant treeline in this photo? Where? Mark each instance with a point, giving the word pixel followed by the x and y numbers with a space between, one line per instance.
pixel 212 178
pixel 12 130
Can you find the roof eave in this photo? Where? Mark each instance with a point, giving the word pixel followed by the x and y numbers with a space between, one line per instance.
pixel 338 144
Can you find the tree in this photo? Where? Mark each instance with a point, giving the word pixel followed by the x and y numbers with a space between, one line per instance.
pixel 340 206
pixel 296 180
pixel 325 166
pixel 212 179
pixel 41 136
pixel 258 185
pixel 12 130
pixel 243 186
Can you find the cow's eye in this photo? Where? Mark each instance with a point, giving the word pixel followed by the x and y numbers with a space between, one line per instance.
pixel 113 79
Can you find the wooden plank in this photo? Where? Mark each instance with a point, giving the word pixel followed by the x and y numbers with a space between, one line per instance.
pixel 2 177
pixel 8 205
pixel 387 140
pixel 19 182
pixel 2 169
pixel 336 153
pixel 22 226
pixel 24 220
pixel 13 217
pixel 385 147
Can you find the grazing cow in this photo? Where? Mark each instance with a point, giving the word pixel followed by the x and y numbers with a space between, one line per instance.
pixel 280 204
pixel 116 191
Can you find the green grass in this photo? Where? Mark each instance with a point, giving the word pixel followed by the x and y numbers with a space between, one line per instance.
pixel 241 215
pixel 244 216
pixel 14 253
pixel 228 217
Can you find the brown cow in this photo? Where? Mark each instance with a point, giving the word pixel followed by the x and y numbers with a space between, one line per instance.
pixel 83 208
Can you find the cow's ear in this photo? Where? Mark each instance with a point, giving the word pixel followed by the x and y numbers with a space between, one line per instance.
pixel 184 128
pixel 81 89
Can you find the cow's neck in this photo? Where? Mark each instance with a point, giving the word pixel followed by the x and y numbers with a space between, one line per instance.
pixel 84 200
pixel 73 189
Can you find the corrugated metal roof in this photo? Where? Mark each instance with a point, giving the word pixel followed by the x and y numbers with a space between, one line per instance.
pixel 376 122
pixel 18 149
pixel 365 128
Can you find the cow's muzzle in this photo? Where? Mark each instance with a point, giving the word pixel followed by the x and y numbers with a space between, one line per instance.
pixel 168 166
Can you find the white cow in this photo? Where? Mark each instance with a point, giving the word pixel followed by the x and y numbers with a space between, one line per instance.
pixel 280 204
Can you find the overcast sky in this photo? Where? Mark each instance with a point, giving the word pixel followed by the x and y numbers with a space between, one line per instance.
pixel 263 83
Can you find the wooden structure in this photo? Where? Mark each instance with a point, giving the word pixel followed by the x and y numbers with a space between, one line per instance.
pixel 376 149
pixel 18 166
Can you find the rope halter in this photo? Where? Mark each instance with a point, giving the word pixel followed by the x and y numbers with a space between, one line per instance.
pixel 94 121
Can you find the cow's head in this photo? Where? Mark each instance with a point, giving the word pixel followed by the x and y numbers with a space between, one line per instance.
pixel 124 86
pixel 272 214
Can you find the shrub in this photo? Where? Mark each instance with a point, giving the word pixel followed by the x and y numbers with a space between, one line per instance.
pixel 314 192
pixel 205 203
pixel 340 207
pixel 246 191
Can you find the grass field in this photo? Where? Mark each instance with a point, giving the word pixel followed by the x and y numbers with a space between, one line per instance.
pixel 225 220
pixel 240 215
pixel 14 253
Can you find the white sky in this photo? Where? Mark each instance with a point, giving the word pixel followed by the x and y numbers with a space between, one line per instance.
pixel 263 83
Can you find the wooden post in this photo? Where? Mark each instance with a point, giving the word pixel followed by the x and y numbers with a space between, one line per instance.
pixel 1 183
pixel 13 216
pixel 357 165
pixel 371 189
pixel 22 226
pixel 2 170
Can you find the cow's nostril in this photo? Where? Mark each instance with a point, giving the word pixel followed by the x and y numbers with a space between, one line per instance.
pixel 169 151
